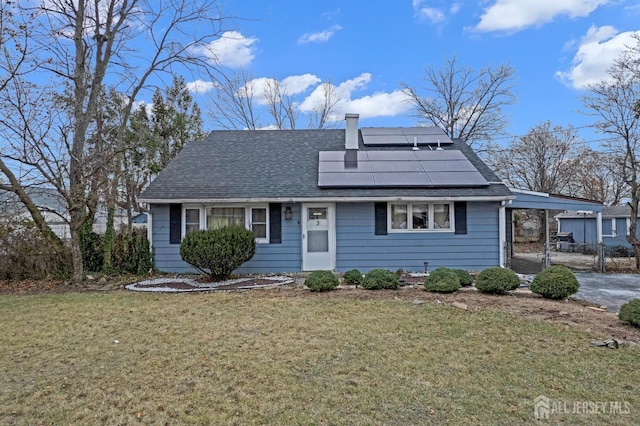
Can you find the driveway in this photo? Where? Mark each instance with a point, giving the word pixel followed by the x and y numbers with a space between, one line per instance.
pixel 610 290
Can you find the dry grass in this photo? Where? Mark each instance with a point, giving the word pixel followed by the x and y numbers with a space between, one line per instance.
pixel 251 358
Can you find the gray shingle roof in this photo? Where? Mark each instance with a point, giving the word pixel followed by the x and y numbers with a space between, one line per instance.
pixel 281 164
pixel 607 212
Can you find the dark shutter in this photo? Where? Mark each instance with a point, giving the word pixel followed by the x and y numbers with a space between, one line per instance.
pixel 460 212
pixel 175 223
pixel 275 223
pixel 381 218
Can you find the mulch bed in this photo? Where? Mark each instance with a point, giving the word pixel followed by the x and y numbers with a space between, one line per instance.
pixel 180 285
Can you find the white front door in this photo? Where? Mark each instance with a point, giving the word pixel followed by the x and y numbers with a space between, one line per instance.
pixel 318 237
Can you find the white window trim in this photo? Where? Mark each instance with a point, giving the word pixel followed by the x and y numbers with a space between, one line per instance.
pixel 431 228
pixel 247 216
pixel 186 207
pixel 613 228
pixel 628 232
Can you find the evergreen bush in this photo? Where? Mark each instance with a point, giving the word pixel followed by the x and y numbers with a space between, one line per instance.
pixel 352 277
pixel 377 279
pixel 132 254
pixel 630 312
pixel 555 282
pixel 497 280
pixel 442 280
pixel 218 252
pixel 321 281
pixel 465 277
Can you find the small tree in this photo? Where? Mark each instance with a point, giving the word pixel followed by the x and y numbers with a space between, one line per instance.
pixel 218 252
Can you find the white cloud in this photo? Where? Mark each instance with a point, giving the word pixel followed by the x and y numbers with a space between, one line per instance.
pixel 292 85
pixel 200 86
pixel 380 104
pixel 455 8
pixel 319 37
pixel 432 14
pixel 596 53
pixel 516 15
pixel 295 84
pixel 232 49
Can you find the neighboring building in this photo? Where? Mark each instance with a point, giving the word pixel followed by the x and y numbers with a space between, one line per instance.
pixel 54 210
pixel 336 199
pixel 583 225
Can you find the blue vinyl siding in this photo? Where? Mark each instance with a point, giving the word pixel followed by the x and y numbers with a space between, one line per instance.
pixel 269 258
pixel 358 247
pixel 579 225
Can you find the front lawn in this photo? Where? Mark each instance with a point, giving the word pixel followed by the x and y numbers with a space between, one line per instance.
pixel 260 358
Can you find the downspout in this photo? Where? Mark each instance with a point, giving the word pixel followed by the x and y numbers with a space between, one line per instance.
pixel 502 232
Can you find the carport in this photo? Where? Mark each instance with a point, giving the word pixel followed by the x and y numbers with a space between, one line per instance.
pixel 543 201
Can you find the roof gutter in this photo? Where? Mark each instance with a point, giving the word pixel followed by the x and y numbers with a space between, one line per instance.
pixel 317 199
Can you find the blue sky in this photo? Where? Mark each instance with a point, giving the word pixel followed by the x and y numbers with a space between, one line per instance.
pixel 368 49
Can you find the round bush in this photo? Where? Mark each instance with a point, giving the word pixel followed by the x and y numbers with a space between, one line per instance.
pixel 218 252
pixel 442 280
pixel 497 280
pixel 321 281
pixel 377 279
pixel 630 312
pixel 555 282
pixel 465 278
pixel 352 277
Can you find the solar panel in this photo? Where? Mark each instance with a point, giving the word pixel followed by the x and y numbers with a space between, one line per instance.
pixel 402 136
pixel 426 169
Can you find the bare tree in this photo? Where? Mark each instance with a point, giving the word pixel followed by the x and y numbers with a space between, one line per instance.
pixel 86 44
pixel 232 105
pixel 243 102
pixel 597 178
pixel 18 59
pixel 542 160
pixel 613 103
pixel 466 103
pixel 281 105
pixel 324 110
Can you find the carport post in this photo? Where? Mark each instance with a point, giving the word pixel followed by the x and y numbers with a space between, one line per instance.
pixel 601 254
pixel 547 245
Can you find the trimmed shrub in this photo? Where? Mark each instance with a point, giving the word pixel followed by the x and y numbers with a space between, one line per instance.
pixel 352 277
pixel 442 280
pixel 555 282
pixel 630 312
pixel 218 252
pixel 465 278
pixel 321 281
pixel 497 280
pixel 377 279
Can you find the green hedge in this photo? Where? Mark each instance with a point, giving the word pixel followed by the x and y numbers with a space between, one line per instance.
pixel 442 280
pixel 555 282
pixel 321 281
pixel 497 280
pixel 630 312
pixel 352 277
pixel 465 277
pixel 377 279
pixel 218 252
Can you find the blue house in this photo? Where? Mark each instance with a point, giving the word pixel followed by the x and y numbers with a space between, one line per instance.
pixel 334 199
pixel 583 226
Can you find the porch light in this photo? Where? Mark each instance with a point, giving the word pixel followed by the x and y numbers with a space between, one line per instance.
pixel 287 213
pixel 426 265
